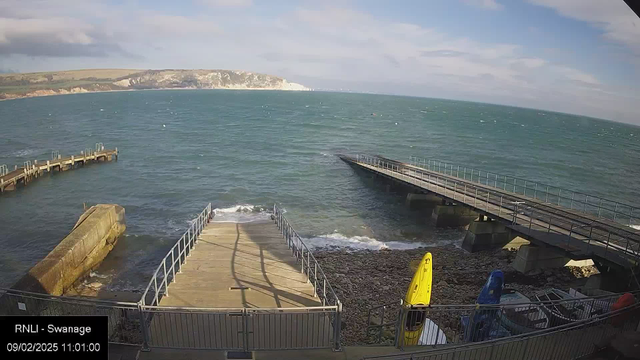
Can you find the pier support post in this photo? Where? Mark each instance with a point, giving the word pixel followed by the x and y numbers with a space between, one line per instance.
pixel 422 200
pixel 452 215
pixel 485 234
pixel 531 257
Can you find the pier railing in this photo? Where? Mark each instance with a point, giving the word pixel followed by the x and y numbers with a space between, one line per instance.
pixel 549 194
pixel 308 263
pixel 171 264
pixel 572 340
pixel 395 324
pixel 528 218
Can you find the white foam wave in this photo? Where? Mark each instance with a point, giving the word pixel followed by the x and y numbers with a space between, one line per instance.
pixel 637 227
pixel 241 214
pixel 337 240
pixel 99 276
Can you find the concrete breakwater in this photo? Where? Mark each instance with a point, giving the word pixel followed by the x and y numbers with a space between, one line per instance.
pixel 92 238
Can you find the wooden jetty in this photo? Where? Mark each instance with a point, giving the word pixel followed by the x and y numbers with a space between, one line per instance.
pixel 9 180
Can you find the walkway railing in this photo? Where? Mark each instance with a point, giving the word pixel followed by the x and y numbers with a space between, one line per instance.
pixel 172 262
pixel 602 208
pixel 308 264
pixel 569 341
pixel 530 219
pixel 392 324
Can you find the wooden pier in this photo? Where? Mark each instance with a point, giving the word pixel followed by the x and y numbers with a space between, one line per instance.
pixel 9 180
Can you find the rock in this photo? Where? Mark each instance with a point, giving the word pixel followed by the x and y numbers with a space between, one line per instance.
pixel 534 272
pixel 551 279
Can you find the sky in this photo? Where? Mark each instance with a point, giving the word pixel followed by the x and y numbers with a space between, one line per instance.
pixel 574 56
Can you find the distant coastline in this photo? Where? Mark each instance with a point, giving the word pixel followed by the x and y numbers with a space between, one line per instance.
pixel 17 86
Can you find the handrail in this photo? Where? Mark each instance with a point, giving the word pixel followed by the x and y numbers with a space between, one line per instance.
pixel 168 274
pixel 530 218
pixel 635 293
pixel 65 299
pixel 536 190
pixel 632 309
pixel 299 248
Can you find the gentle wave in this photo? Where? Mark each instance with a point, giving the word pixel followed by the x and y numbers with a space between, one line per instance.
pixel 243 213
pixel 337 240
pixel 637 227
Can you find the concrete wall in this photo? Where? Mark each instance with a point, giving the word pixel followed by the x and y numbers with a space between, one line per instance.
pixel 85 247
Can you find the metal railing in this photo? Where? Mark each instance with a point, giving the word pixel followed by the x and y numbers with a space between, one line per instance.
pixel 395 324
pixel 310 267
pixel 569 341
pixel 146 324
pixel 124 317
pixel 4 170
pixel 532 219
pixel 548 194
pixel 243 329
pixel 308 264
pixel 172 263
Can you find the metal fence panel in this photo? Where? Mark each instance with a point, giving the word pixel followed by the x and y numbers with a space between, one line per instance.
pixel 124 318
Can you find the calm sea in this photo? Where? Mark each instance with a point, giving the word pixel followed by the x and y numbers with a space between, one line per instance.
pixel 245 150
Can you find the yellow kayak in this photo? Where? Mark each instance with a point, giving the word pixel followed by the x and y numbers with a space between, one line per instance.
pixel 419 293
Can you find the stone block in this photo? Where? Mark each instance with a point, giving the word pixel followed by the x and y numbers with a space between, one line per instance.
pixel 485 235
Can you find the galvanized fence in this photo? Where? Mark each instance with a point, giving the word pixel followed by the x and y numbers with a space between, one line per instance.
pixel 172 263
pixel 444 325
pixel 124 317
pixel 569 341
pixel 528 218
pixel 308 264
pixel 242 329
pixel 586 203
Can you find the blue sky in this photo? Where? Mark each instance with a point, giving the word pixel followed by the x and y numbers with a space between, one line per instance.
pixel 577 56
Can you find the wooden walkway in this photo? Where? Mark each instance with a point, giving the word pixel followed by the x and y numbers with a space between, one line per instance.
pixel 579 235
pixel 240 265
pixel 9 180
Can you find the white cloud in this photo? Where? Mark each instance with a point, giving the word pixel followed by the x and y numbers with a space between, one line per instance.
pixel 228 3
pixel 485 4
pixel 322 44
pixel 178 26
pixel 576 75
pixel 617 21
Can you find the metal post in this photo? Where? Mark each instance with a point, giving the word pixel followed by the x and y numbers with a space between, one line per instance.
pixel 500 211
pixel 315 279
pixel 615 212
pixel 546 197
pixel 166 285
pixel 179 259
pixel 487 206
pixel 525 188
pixel 336 329
pixel 143 326
pixel 464 197
pixel 324 291
pixel 475 198
pixel 535 192
pixel 573 194
pixel 302 257
pixel 586 201
pixel 559 191
pixel 173 266
pixel 458 172
pixel 599 206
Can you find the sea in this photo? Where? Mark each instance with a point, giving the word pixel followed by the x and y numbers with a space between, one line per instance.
pixel 243 151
